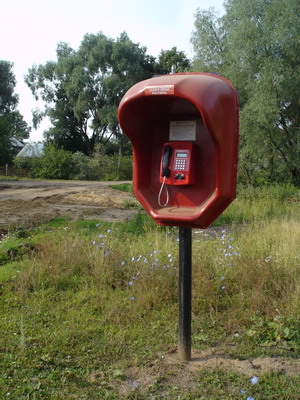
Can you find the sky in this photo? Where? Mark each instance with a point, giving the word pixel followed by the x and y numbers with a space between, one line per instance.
pixel 30 31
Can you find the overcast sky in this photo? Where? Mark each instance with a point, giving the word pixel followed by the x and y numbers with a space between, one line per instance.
pixel 31 29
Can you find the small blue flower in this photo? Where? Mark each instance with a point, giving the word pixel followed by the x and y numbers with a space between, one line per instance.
pixel 243 391
pixel 250 398
pixel 254 380
pixel 132 298
pixel 100 236
pixel 123 263
pixel 223 287
pixel 130 283
pixel 97 225
pixel 108 230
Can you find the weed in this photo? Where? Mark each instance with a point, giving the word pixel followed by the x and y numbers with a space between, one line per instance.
pixel 98 300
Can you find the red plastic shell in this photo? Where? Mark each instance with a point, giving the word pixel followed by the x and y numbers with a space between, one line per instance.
pixel 144 115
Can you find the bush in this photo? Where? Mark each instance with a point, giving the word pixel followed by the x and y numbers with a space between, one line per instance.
pixel 60 164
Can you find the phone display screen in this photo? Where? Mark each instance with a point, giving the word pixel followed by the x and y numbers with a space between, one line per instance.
pixel 181 155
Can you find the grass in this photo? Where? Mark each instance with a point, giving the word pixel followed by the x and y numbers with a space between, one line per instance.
pixel 89 309
pixel 124 187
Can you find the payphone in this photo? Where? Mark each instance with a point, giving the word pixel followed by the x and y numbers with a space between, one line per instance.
pixel 184 133
pixel 177 167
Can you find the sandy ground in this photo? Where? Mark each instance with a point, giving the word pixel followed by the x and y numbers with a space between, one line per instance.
pixel 33 202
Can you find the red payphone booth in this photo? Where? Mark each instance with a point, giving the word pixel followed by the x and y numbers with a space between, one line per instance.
pixel 184 133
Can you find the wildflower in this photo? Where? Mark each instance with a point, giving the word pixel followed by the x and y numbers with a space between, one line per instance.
pixel 97 225
pixel 223 287
pixel 123 263
pixel 108 230
pixel 254 380
pixel 222 278
pixel 94 242
pixel 130 283
pixel 243 391
pixel 132 298
pixel 169 255
pixel 100 236
pixel 132 259
pixel 250 398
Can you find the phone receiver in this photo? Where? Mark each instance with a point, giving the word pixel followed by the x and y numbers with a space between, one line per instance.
pixel 166 160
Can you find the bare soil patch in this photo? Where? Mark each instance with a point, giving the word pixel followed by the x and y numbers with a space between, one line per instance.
pixel 31 203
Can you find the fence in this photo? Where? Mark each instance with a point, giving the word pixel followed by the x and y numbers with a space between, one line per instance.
pixel 8 170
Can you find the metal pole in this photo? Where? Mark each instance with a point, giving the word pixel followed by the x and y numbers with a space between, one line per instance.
pixel 185 293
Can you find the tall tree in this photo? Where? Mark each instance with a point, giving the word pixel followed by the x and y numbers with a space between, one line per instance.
pixel 256 44
pixel 12 123
pixel 8 100
pixel 171 61
pixel 83 88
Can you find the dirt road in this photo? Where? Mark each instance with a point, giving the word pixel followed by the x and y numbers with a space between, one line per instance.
pixel 30 203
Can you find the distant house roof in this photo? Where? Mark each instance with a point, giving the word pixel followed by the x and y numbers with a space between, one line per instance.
pixel 32 150
pixel 16 143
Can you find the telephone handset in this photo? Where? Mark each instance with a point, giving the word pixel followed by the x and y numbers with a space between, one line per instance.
pixel 177 167
pixel 178 163
pixel 167 153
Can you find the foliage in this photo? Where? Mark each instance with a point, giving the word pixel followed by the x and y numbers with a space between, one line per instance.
pixel 256 46
pixel 60 164
pixel 8 99
pixel 172 61
pixel 83 88
pixel 12 123
pixel 6 151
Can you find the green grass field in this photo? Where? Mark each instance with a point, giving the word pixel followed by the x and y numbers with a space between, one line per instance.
pixel 89 309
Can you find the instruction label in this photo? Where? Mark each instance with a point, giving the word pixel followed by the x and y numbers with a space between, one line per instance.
pixel 182 130
pixel 159 90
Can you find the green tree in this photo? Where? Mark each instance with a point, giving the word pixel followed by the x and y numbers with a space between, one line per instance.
pixel 83 88
pixel 8 100
pixel 12 123
pixel 6 152
pixel 171 61
pixel 256 45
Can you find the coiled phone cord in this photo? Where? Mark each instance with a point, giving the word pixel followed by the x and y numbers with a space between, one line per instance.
pixel 160 193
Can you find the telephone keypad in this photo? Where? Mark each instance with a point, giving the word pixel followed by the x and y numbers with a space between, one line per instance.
pixel 180 164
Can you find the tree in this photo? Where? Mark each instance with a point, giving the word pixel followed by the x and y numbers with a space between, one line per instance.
pixel 12 123
pixel 256 44
pixel 171 61
pixel 83 88
pixel 8 100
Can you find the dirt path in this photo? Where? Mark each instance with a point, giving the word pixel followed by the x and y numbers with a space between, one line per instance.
pixel 33 202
